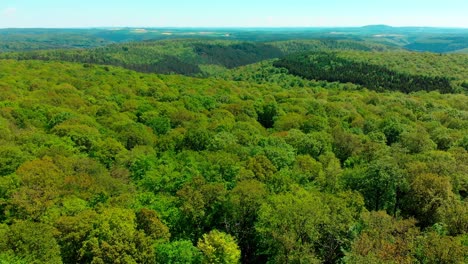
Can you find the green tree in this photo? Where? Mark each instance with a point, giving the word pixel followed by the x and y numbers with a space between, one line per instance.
pixel 392 129
pixel 383 239
pixel 345 144
pixel 178 252
pixel 197 139
pixel 132 134
pixel 33 242
pixel 278 152
pixel 74 230
pixel 329 180
pixel 11 157
pixel 381 183
pixel 304 226
pixel 262 167
pixel 107 150
pixel 148 221
pixel 436 248
pixel 427 194
pixel 242 210
pixel 219 247
pixel 288 122
pixel 454 214
pixel 313 144
pixel 201 206
pixel 114 238
pixel 160 124
pixel 267 113
pixel 82 135
pixel 41 181
pixel 417 141
pixel 307 169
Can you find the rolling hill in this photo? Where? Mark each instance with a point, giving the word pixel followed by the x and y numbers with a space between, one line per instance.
pixel 190 57
pixel 407 72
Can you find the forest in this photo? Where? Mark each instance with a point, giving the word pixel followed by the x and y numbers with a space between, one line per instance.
pixel 233 151
pixel 328 67
pixel 189 57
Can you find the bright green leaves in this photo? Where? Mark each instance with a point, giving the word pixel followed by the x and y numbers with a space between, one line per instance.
pixel 129 167
pixel 381 183
pixel 178 252
pixel 11 157
pixel 219 248
pixel 114 238
pixel 241 211
pixel 110 235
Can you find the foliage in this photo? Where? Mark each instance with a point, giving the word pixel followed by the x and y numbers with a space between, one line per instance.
pixel 301 227
pixel 386 240
pixel 102 164
pixel 332 68
pixel 219 247
pixel 194 57
pixel 31 242
pixel 178 252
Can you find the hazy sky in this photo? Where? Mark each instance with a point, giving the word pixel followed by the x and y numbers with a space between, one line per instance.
pixel 235 13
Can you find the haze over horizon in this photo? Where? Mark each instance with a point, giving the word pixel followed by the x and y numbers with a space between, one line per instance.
pixel 242 13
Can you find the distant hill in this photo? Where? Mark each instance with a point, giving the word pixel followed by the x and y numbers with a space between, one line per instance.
pixel 440 44
pixel 413 38
pixel 12 40
pixel 377 27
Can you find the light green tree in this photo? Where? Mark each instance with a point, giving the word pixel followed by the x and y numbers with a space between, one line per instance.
pixel 219 247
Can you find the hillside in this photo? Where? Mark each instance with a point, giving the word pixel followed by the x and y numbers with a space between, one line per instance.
pixel 452 66
pixel 189 57
pixel 450 43
pixel 402 71
pixel 102 164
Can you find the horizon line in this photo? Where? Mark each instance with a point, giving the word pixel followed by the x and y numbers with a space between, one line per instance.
pixel 238 27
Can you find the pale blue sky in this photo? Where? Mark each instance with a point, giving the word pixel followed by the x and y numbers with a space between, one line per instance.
pixel 238 13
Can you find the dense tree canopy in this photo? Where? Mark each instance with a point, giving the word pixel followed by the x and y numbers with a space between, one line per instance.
pixel 100 164
pixel 188 57
pixel 329 67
